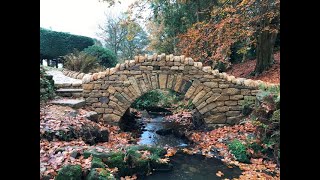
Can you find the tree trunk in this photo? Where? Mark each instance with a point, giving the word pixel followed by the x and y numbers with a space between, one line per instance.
pixel 265 46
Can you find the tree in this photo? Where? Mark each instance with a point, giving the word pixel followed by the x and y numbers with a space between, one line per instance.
pixel 171 18
pixel 104 56
pixel 54 44
pixel 253 23
pixel 124 37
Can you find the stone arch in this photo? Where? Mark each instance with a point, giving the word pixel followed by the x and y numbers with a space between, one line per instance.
pixel 217 96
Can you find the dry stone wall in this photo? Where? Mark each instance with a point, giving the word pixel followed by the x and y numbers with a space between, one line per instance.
pixel 73 74
pixel 216 96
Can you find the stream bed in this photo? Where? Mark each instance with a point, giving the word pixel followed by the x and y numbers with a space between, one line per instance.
pixel 185 167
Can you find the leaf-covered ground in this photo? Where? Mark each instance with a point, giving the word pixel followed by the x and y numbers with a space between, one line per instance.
pixel 218 138
pixel 54 154
pixel 244 69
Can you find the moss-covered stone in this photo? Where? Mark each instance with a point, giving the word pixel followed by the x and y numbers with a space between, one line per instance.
pixel 94 153
pixel 152 149
pixel 100 174
pixel 97 163
pixel 276 115
pixel 70 172
pixel 134 160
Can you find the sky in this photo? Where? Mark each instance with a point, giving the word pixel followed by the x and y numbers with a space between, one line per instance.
pixel 80 17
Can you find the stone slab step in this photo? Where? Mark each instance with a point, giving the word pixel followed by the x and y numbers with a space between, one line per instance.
pixel 74 103
pixel 66 90
pixel 68 85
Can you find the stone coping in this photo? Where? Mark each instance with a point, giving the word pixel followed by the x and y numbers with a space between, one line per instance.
pixel 184 61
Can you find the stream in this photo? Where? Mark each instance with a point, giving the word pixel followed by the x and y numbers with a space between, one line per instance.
pixel 193 167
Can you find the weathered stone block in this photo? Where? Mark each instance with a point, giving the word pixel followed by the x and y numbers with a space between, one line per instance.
pixel 245 92
pixel 207 69
pixel 235 108
pixel 169 63
pixel 97 86
pixel 207 108
pixel 198 96
pixel 190 91
pixel 174 68
pixel 223 98
pixel 231 103
pixel 146 68
pixel 230 91
pixel 108 111
pixel 233 113
pixel 178 83
pixel 176 59
pixel 211 84
pixel 222 109
pixel 92 100
pixel 190 62
pixel 213 97
pixel 221 85
pixel 202 105
pixel 99 110
pixel 87 86
pixel 162 80
pixel 111 90
pixel 218 118
pixel 143 86
pixel 104 100
pixel 236 97
pixel 254 92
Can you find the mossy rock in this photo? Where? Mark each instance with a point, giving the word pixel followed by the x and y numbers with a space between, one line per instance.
pixel 152 149
pixel 276 115
pixel 97 163
pixel 131 161
pixel 94 153
pixel 64 135
pixel 116 159
pixel 70 172
pixel 100 174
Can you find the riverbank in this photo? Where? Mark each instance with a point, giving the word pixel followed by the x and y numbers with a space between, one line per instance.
pixel 201 145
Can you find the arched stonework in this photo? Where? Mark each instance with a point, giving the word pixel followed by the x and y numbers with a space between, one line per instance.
pixel 216 96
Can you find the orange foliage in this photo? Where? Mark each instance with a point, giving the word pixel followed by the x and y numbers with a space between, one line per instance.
pixel 211 41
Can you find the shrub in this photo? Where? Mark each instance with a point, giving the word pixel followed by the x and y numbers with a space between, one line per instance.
pixel 221 66
pixel 247 105
pixel 46 86
pixel 239 150
pixel 80 61
pixel 104 56
pixel 267 113
pixel 54 44
pixel 156 98
pixel 70 172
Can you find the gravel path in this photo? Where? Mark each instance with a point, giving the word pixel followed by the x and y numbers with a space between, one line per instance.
pixel 60 78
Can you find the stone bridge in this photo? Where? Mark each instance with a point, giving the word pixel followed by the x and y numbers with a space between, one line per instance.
pixel 216 96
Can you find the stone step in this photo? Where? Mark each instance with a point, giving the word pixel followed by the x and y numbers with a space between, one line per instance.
pixel 74 103
pixel 65 92
pixel 68 86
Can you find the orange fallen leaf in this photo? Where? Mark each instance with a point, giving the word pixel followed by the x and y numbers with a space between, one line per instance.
pixel 219 174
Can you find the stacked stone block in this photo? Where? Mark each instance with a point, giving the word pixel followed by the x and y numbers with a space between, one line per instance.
pixel 216 96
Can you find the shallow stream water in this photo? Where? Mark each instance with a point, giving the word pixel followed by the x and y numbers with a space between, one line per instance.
pixel 185 167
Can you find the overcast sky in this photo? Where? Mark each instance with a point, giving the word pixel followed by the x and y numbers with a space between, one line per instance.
pixel 80 17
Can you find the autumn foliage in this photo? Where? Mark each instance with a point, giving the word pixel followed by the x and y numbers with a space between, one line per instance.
pixel 233 22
